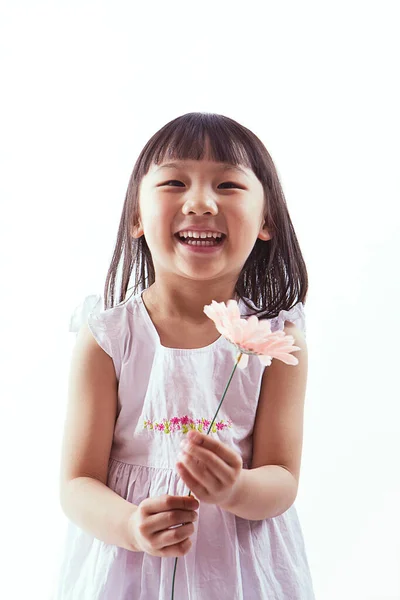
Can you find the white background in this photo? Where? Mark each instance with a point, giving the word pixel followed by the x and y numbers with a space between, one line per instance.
pixel 84 86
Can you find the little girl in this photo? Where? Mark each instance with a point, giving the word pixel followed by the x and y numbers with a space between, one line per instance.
pixel 204 219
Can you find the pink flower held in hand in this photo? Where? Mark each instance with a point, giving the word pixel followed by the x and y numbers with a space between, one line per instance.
pixel 251 336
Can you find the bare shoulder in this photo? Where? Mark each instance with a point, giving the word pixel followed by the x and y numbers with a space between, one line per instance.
pixel 91 411
pixel 278 429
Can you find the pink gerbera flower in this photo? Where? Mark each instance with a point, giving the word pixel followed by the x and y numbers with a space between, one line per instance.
pixel 251 336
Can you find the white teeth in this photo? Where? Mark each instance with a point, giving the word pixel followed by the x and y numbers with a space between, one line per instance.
pixel 200 243
pixel 200 234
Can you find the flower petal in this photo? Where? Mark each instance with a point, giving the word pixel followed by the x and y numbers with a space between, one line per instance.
pixel 213 311
pixel 265 359
pixel 288 359
pixel 251 334
pixel 252 326
pixel 233 311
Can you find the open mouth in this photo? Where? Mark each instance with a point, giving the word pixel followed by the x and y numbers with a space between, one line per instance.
pixel 201 238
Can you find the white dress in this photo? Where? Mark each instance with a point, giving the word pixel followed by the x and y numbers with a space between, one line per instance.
pixel 162 394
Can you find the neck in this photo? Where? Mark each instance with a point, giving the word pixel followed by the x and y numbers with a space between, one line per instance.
pixel 187 298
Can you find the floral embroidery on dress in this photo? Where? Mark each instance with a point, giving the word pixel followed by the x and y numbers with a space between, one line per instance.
pixel 185 424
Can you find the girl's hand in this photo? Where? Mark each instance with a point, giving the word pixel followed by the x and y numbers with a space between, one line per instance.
pixel 150 525
pixel 209 468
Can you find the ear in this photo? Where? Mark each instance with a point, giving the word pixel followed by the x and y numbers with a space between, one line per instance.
pixel 137 230
pixel 264 233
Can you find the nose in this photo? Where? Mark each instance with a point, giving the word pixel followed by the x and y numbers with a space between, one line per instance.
pixel 200 203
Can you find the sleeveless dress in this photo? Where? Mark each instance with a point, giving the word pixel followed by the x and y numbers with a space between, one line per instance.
pixel 162 394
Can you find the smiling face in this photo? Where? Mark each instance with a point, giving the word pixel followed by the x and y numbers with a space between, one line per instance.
pixel 200 218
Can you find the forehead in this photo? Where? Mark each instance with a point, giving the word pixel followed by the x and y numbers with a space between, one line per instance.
pixel 200 165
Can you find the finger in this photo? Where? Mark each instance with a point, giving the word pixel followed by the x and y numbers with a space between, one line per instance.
pixel 222 450
pixel 195 486
pixel 204 475
pixel 173 536
pixel 164 520
pixel 177 549
pixel 201 472
pixel 166 502
pixel 210 462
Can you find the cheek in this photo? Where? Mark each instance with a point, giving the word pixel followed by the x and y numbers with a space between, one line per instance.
pixel 157 219
pixel 247 220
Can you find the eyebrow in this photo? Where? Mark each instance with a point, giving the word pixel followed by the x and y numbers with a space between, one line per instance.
pixel 223 167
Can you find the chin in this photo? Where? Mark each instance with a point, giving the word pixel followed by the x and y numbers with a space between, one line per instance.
pixel 210 275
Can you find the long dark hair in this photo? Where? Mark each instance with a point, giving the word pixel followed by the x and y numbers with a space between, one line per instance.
pixel 274 276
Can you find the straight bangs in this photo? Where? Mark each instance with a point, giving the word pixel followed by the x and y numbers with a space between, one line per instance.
pixel 186 137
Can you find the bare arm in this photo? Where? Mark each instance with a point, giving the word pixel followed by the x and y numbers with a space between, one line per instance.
pixel 270 487
pixel 99 511
pixel 262 493
pixel 88 432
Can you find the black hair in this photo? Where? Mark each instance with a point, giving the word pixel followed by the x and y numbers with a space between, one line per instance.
pixel 274 276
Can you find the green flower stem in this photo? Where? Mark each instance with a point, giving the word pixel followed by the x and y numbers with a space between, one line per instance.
pixel 239 356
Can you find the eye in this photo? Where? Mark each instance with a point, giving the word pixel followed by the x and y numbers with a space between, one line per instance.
pixel 175 181
pixel 172 181
pixel 231 183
